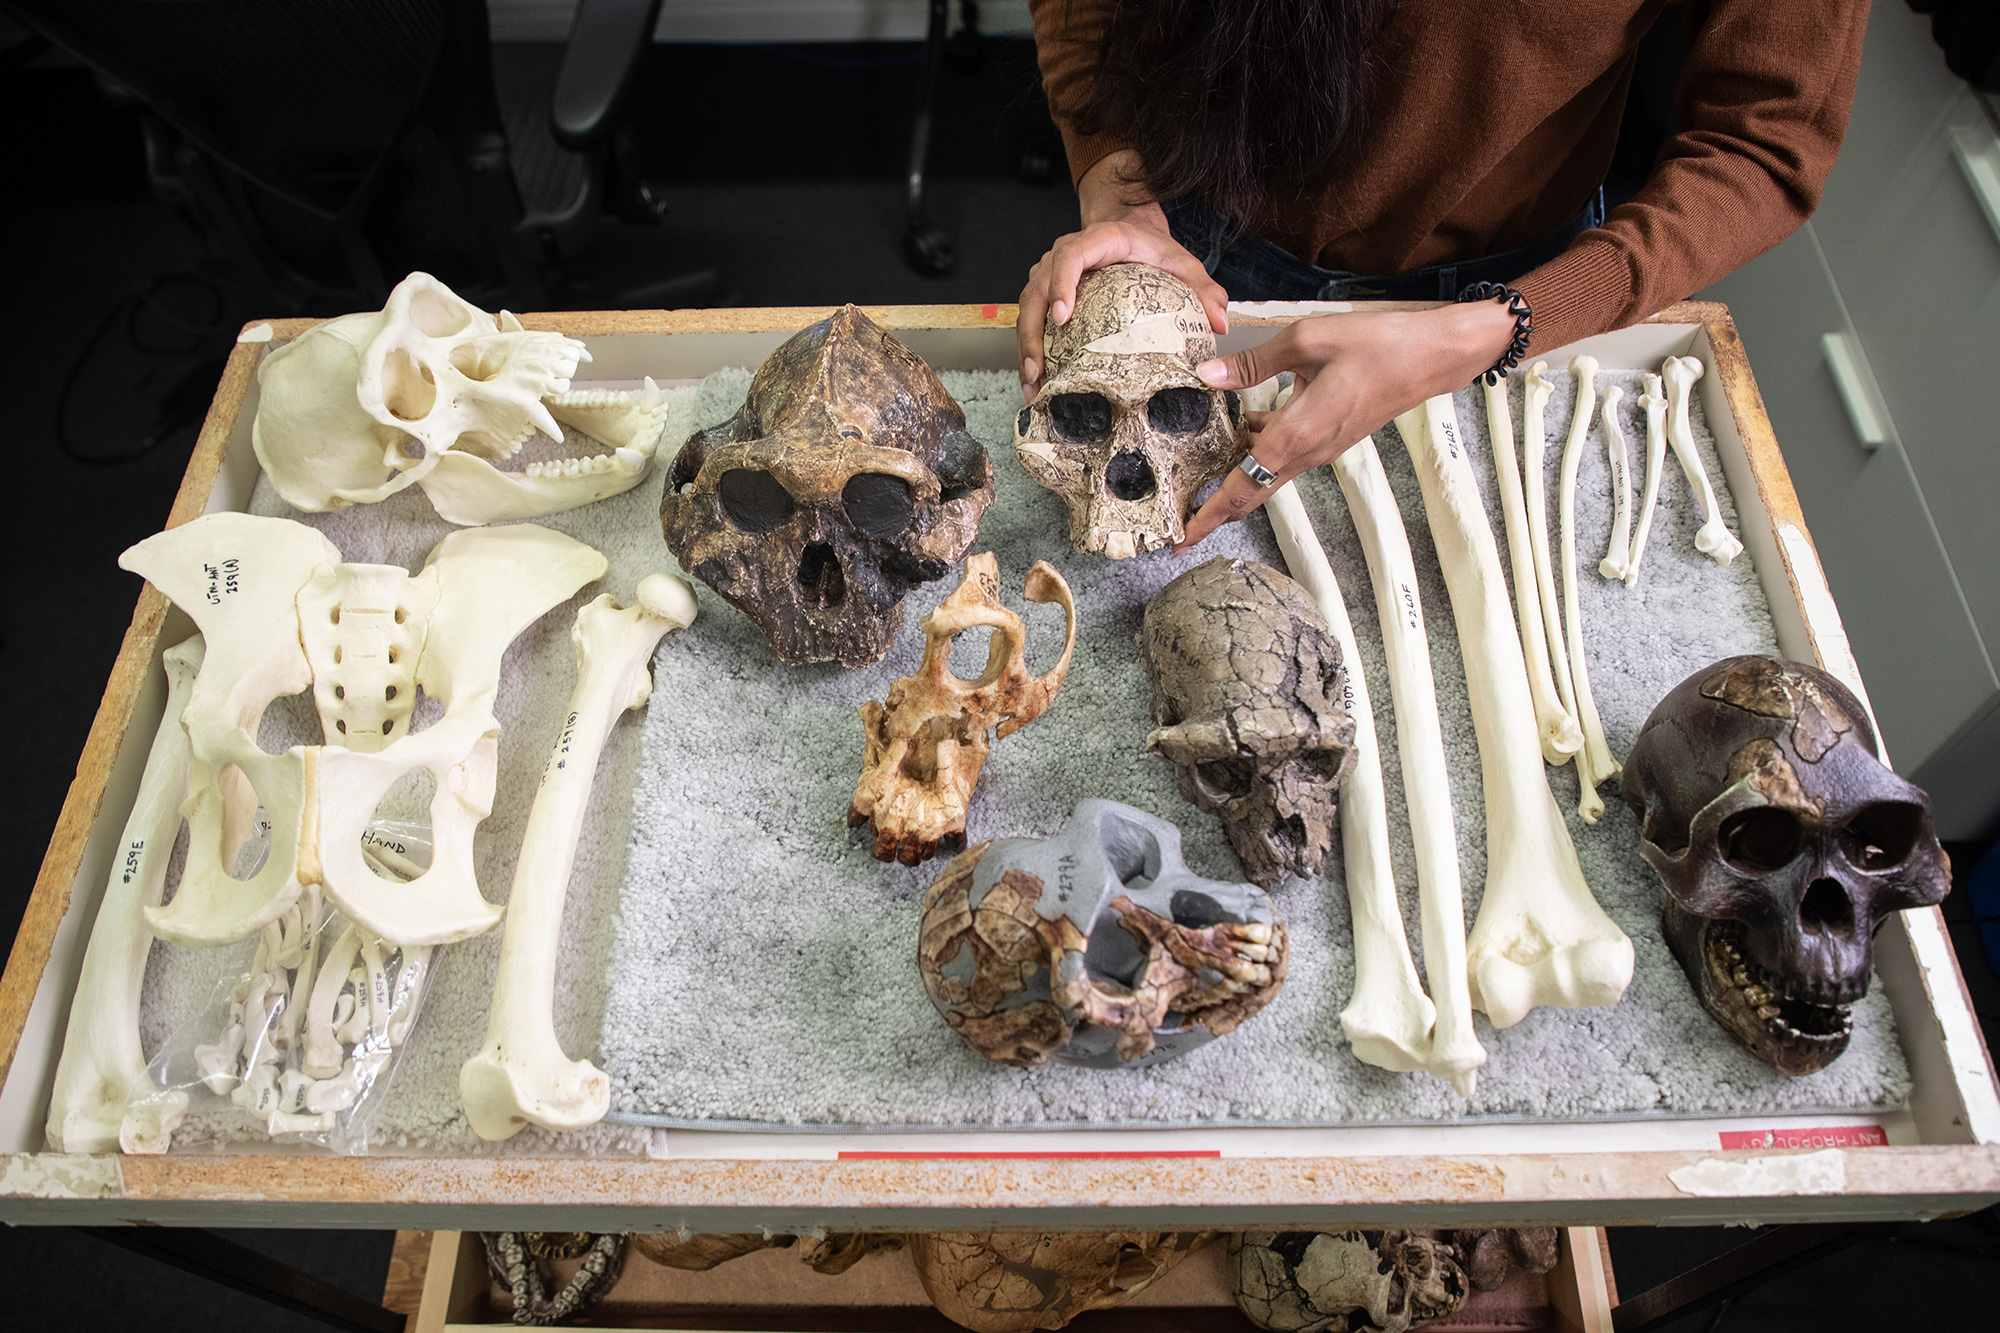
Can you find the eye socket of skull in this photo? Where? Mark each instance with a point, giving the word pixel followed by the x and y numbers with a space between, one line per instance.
pixel 436 316
pixel 1129 476
pixel 1225 779
pixel 1882 836
pixel 1080 417
pixel 754 501
pixel 408 388
pixel 878 504
pixel 1178 410
pixel 1761 840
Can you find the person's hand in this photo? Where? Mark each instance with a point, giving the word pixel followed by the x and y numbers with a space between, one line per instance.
pixel 1115 230
pixel 1355 373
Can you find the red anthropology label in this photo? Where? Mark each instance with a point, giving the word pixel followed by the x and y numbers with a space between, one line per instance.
pixel 1819 1136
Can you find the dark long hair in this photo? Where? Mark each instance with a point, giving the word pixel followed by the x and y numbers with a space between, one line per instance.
pixel 1226 100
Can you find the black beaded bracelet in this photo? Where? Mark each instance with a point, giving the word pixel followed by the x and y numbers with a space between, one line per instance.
pixel 1517 306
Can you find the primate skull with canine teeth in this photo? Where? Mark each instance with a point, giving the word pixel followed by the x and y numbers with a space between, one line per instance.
pixel 846 479
pixel 1247 701
pixel 925 749
pixel 1783 842
pixel 432 390
pixel 1122 428
pixel 1097 946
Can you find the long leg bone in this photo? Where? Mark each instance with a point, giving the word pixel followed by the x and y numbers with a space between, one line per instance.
pixel 1534 466
pixel 1618 555
pixel 1713 539
pixel 1455 1050
pixel 1594 763
pixel 521 1075
pixel 1388 1018
pixel 1656 456
pixel 1560 737
pixel 103 1099
pixel 1541 938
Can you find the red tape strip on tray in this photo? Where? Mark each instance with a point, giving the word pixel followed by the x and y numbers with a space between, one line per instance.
pixel 989 312
pixel 1819 1136
pixel 1023 1155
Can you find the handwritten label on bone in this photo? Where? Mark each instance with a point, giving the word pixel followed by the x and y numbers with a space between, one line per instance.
pixel 1169 331
pixel 1406 596
pixel 133 851
pixel 1065 876
pixel 222 580
pixel 1446 429
pixel 560 759
pixel 373 838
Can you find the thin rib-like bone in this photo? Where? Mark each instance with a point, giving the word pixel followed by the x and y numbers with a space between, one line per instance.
pixel 1455 1050
pixel 1656 456
pixel 1560 736
pixel 1594 763
pixel 1534 464
pixel 521 1075
pixel 1713 538
pixel 1618 555
pixel 103 1099
pixel 1388 1018
pixel 1541 938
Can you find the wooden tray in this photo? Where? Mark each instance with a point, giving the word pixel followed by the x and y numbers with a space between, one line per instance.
pixel 440 1280
pixel 1937 1156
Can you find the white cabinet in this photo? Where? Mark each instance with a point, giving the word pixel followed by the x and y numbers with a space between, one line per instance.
pixel 1902 261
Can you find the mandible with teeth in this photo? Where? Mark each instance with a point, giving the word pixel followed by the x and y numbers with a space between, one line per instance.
pixel 1122 428
pixel 1783 842
pixel 1247 707
pixel 846 479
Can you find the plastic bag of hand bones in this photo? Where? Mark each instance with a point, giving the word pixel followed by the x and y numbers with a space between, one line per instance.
pixel 300 1039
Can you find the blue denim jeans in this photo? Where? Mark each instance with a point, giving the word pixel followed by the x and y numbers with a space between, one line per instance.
pixel 1251 268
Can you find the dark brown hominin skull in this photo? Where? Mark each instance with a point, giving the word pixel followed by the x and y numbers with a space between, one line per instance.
pixel 846 479
pixel 1247 699
pixel 1122 428
pixel 1345 1281
pixel 1783 842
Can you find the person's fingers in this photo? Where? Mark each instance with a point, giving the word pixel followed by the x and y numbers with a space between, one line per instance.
pixel 1254 365
pixel 1237 496
pixel 1028 327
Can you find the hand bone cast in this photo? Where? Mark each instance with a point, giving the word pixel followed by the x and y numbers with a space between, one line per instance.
pixel 1345 1281
pixel 104 1100
pixel 433 391
pixel 1594 763
pixel 1540 938
pixel 1122 428
pixel 926 747
pixel 1174 960
pixel 1783 842
pixel 1247 685
pixel 1713 539
pixel 1655 404
pixel 1021 1281
pixel 846 479
pixel 279 612
pixel 521 1075
pixel 1618 555
pixel 1454 1053
pixel 1388 1018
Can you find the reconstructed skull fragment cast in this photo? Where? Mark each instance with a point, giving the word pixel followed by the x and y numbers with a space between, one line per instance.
pixel 925 749
pixel 1246 690
pixel 846 479
pixel 433 390
pixel 1783 842
pixel 1097 946
pixel 1123 429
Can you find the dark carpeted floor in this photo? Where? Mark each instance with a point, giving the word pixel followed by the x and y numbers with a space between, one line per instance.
pixel 780 169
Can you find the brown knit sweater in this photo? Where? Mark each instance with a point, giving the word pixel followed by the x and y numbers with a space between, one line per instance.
pixel 1493 121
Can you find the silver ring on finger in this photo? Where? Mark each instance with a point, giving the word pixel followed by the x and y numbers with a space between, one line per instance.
pixel 1257 472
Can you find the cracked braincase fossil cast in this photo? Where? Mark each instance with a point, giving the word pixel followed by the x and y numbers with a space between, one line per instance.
pixel 846 479
pixel 1249 703
pixel 1783 842
pixel 1097 946
pixel 432 390
pixel 1122 428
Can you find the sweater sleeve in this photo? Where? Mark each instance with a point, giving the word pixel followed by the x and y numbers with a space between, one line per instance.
pixel 1067 33
pixel 1763 101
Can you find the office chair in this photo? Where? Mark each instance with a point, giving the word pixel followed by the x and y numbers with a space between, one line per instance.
pixel 340 143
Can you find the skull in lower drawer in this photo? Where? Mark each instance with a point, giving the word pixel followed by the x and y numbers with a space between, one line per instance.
pixel 1345 1281
pixel 1097 946
pixel 1122 428
pixel 1783 842
pixel 846 479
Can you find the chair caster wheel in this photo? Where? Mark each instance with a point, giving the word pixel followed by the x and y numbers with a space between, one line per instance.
pixel 927 249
